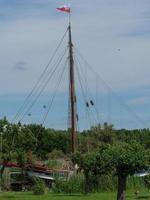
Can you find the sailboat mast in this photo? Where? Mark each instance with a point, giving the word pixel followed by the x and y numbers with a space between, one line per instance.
pixel 72 93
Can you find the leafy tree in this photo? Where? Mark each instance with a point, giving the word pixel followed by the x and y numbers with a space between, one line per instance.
pixel 93 164
pixel 96 136
pixel 21 159
pixel 85 163
pixel 127 160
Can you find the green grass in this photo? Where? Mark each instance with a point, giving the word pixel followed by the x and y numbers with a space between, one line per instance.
pixel 98 196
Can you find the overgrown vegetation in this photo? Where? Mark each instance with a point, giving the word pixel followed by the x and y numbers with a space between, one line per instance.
pixel 74 185
pixel 39 187
pixel 104 154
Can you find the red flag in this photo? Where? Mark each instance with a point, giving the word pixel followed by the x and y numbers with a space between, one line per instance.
pixel 64 9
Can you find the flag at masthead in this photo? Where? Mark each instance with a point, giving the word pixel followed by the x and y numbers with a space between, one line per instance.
pixel 64 8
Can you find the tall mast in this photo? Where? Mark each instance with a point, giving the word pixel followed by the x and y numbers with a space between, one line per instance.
pixel 72 93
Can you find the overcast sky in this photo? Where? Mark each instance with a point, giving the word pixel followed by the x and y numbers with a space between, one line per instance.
pixel 113 36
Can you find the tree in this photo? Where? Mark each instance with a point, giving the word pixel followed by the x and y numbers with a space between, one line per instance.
pixel 96 136
pixel 103 133
pixel 93 164
pixel 85 162
pixel 127 159
pixel 5 153
pixel 21 159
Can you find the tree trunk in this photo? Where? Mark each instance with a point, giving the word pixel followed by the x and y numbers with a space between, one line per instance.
pixel 121 187
pixel 1 176
pixel 4 163
pixel 2 170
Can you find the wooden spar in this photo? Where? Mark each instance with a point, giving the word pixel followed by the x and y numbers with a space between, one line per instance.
pixel 72 93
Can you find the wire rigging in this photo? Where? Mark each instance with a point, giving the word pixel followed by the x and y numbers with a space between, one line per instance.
pixel 44 86
pixel 38 85
pixel 141 121
pixel 87 91
pixel 39 79
pixel 54 95
pixel 83 92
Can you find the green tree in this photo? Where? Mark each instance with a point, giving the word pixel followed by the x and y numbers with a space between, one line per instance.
pixel 93 164
pixel 127 159
pixel 85 162
pixel 21 158
pixel 96 136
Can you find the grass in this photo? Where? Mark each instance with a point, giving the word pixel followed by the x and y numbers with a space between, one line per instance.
pixel 101 196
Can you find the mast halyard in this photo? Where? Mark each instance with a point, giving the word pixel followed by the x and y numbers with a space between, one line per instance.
pixel 72 93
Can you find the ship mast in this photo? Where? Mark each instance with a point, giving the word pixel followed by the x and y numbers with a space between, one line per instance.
pixel 72 93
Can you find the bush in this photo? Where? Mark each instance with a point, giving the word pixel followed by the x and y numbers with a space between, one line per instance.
pixel 103 183
pixel 56 154
pixel 74 185
pixel 135 183
pixel 53 164
pixel 39 187
pixel 147 181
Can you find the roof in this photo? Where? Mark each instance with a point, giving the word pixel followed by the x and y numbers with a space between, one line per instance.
pixel 40 175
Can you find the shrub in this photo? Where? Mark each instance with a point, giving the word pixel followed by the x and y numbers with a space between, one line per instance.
pixel 147 181
pixel 56 154
pixel 39 187
pixel 136 183
pixel 74 185
pixel 103 183
pixel 53 164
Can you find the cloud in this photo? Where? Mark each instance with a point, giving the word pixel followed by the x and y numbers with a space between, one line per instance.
pixel 30 31
pixel 21 66
pixel 144 100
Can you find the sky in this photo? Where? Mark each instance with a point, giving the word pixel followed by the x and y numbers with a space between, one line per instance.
pixel 113 36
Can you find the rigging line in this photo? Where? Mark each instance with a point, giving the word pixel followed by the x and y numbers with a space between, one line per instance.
pixel 40 86
pixel 56 89
pixel 41 76
pixel 114 93
pixel 53 97
pixel 83 94
pixel 44 86
pixel 85 89
pixel 88 90
pixel 97 101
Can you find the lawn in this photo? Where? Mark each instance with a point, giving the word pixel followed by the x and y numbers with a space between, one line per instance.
pixel 51 196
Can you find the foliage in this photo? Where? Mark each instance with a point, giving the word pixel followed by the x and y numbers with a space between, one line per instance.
pixel 53 164
pixel 103 150
pixel 21 158
pixel 93 164
pixel 135 183
pixel 56 154
pixel 105 182
pixel 39 187
pixel 73 185
pixel 129 158
pixel 96 136
pixel 147 181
